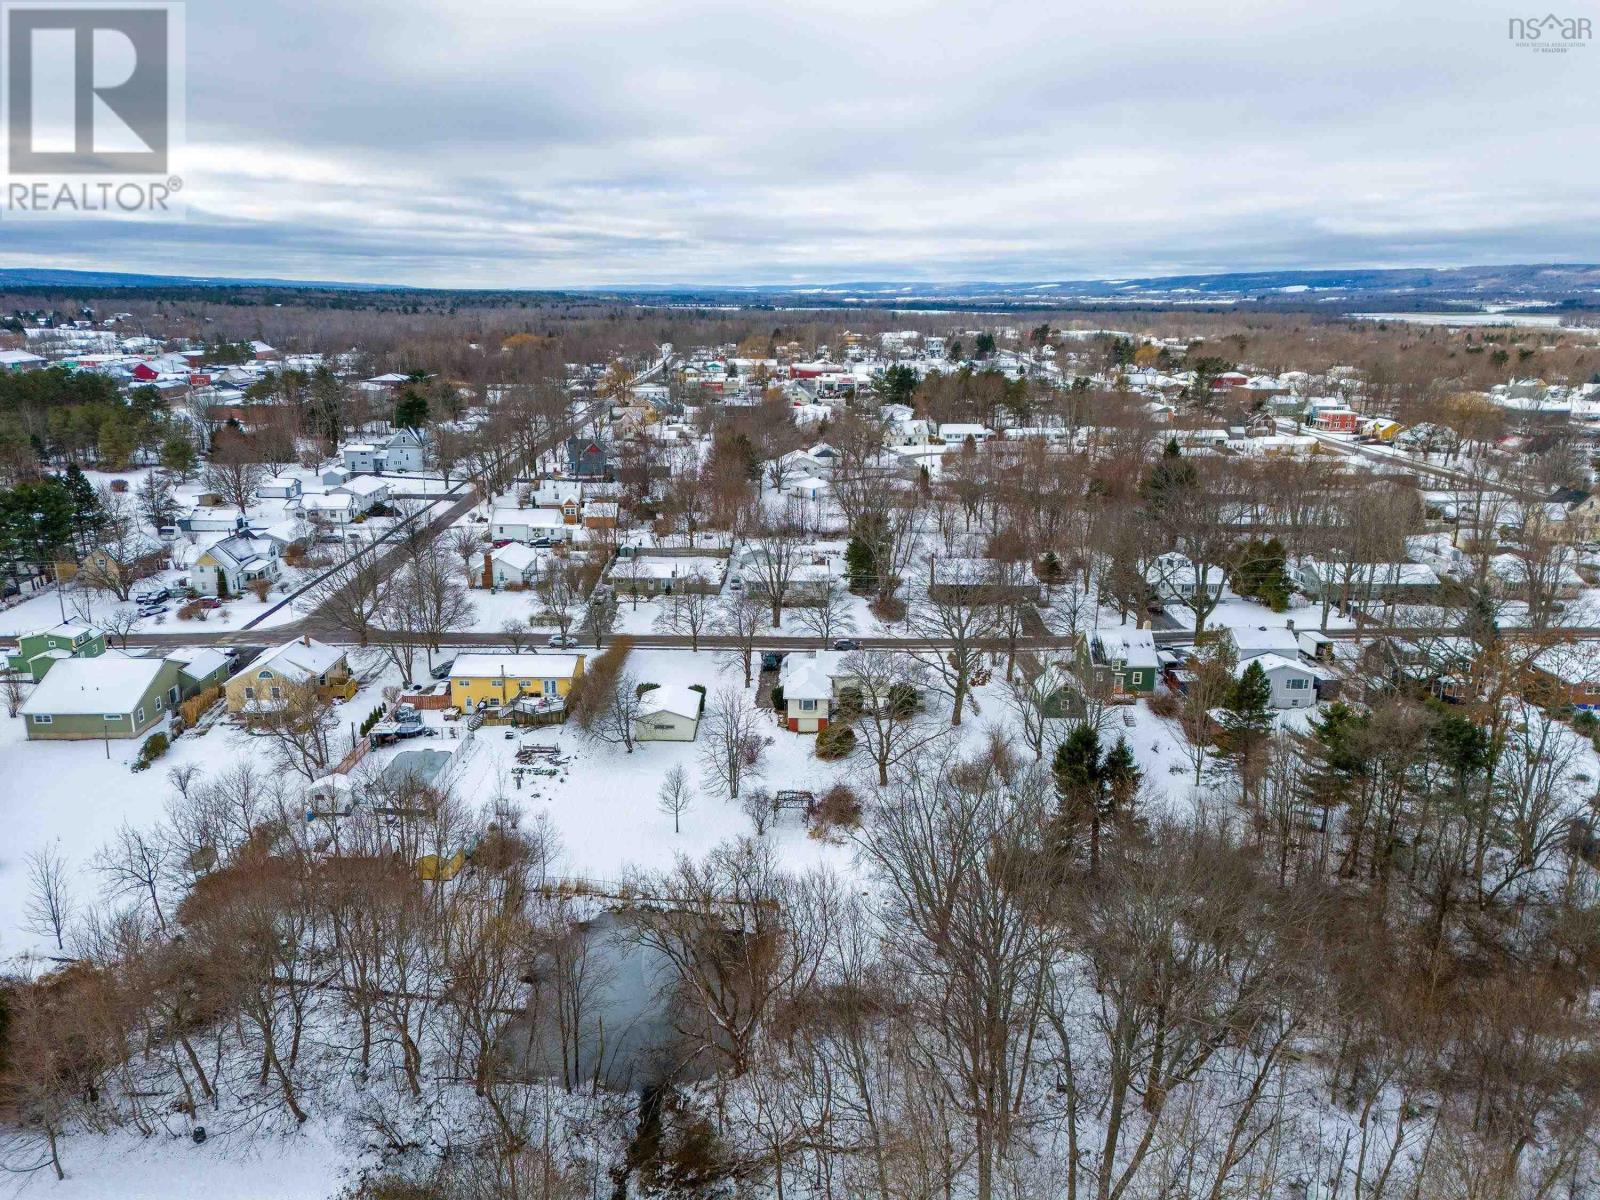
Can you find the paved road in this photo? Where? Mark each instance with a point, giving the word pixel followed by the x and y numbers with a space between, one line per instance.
pixel 389 545
pixel 1379 454
pixel 777 640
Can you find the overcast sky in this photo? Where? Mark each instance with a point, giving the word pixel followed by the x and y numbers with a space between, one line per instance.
pixel 547 143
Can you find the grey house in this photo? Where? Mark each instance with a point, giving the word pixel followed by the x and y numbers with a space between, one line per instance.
pixel 587 458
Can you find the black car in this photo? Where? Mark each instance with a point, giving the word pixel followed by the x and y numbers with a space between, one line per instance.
pixel 846 644
pixel 442 670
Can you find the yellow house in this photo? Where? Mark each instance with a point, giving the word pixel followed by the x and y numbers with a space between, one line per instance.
pixel 499 680
pixel 259 687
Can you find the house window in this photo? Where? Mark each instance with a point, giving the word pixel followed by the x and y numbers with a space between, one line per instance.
pixel 139 713
pixel 462 683
pixel 808 706
pixel 265 675
pixel 113 716
pixel 549 686
pixel 172 695
pixel 524 684
pixel 43 719
pixel 277 693
pixel 249 693
pixel 1297 685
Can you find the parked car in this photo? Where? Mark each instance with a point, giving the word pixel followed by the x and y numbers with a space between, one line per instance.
pixel 209 602
pixel 560 641
pixel 150 595
pixel 153 610
pixel 442 670
pixel 541 543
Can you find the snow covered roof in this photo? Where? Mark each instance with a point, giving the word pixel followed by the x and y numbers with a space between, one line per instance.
pixel 532 518
pixel 111 683
pixel 198 661
pixel 1252 640
pixel 299 659
pixel 673 698
pixel 1131 647
pixel 518 556
pixel 364 486
pixel 504 666
pixel 1273 662
pixel 809 676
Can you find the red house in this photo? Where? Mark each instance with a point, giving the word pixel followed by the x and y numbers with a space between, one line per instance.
pixel 1336 420
pixel 144 372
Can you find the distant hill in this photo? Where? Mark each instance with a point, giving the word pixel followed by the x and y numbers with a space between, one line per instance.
pixel 1467 289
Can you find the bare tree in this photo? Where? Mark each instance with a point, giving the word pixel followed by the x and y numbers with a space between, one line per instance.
pixel 828 616
pixel 892 725
pixel 774 556
pixel 17 686
pixel 689 611
pixel 559 589
pixel 611 710
pixel 232 471
pixel 675 796
pixel 467 544
pixel 350 597
pixel 741 620
pixel 958 623
pixel 730 742
pixel 123 554
pixel 50 904
pixel 299 726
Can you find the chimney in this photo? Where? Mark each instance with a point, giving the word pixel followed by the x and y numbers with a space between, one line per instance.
pixel 305 639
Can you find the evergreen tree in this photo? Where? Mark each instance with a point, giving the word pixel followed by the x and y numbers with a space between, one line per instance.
pixel 1122 776
pixel 411 410
pixel 87 516
pixel 1077 770
pixel 897 384
pixel 177 455
pixel 858 566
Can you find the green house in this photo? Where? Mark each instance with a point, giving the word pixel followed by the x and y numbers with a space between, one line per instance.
pixel 1125 658
pixel 116 695
pixel 37 652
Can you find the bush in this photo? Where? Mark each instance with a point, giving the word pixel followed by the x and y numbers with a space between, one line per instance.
pixel 1585 721
pixel 154 747
pixel 839 808
pixel 188 612
pixel 192 708
pixel 890 608
pixel 1166 704
pixel 834 741
pixel 903 701
pixel 850 704
pixel 259 588
pixel 777 699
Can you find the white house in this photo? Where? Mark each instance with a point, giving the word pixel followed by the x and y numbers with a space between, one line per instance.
pixel 406 450
pixel 233 564
pixel 811 487
pixel 367 491
pixel 1294 683
pixel 280 487
pixel 668 713
pixel 1172 577
pixel 363 458
pixel 528 525
pixel 810 682
pixel 514 563
pixel 204 519
pixel 334 508
pixel 956 432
